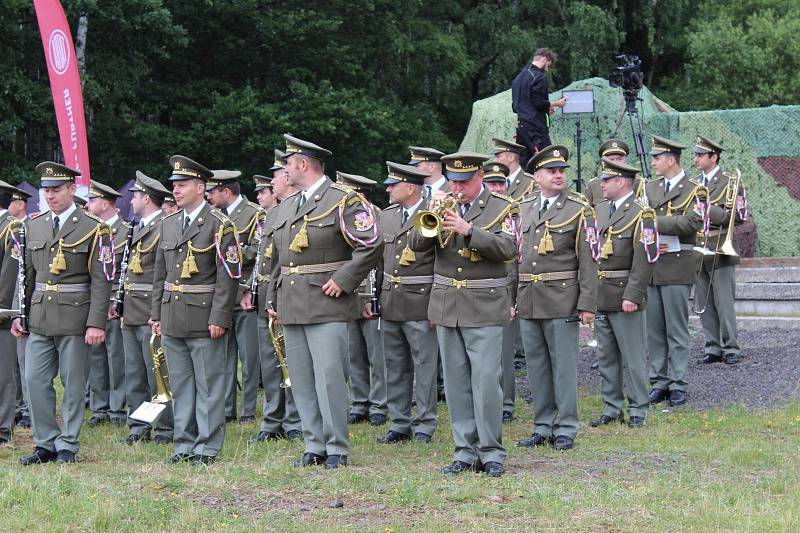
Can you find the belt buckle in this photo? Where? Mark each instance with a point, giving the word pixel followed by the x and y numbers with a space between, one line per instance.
pixel 536 278
pixel 601 274
pixel 51 287
pixel 394 279
pixel 293 270
pixel 177 288
pixel 460 283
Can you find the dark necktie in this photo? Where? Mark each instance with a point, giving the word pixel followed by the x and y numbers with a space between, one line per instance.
pixel 405 218
pixel 666 188
pixel 544 207
pixel 301 201
pixel 613 208
pixel 186 222
pixel 464 209
pixel 141 225
pixel 428 192
pixel 56 225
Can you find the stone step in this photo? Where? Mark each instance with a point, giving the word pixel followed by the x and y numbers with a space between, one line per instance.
pixel 768 275
pixel 756 322
pixel 768 308
pixel 768 291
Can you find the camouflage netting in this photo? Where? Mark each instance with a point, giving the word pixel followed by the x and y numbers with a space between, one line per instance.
pixel 763 143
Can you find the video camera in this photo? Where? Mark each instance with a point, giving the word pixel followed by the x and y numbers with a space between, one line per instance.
pixel 627 75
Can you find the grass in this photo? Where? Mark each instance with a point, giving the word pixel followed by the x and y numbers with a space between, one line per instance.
pixel 730 469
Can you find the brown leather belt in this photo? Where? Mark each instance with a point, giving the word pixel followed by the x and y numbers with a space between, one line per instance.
pixel 612 274
pixel 63 287
pixel 320 268
pixel 189 289
pixel 548 276
pixel 486 283
pixel 389 279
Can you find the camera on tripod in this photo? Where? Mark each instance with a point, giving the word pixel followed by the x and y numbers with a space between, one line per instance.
pixel 627 75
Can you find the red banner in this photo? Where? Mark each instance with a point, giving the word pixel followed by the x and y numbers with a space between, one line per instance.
pixel 65 83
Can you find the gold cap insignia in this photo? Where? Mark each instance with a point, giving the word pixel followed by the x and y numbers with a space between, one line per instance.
pixel 48 171
pixel 556 153
pixel 177 165
pixel 457 163
pixel 614 145
pixel 496 168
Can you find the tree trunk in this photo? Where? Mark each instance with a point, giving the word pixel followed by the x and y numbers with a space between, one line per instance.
pixel 80 44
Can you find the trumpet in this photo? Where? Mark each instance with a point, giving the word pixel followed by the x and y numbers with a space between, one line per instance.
pixel 163 392
pixel 734 181
pixel 429 223
pixel 276 336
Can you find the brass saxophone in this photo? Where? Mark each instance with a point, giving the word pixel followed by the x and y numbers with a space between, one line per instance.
pixel 429 222
pixel 163 392
pixel 276 335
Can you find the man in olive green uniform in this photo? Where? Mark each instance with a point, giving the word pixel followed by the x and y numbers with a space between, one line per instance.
pixel 495 178
pixel 225 194
pixel 557 282
pixel 169 207
pixel 519 183
pixel 470 303
pixel 140 386
pixel 680 215
pixel 198 263
pixel 107 360
pixel 628 248
pixel 280 417
pixel 18 209
pixel 716 285
pixel 321 253
pixel 617 151
pixel 9 268
pixel 409 341
pixel 67 284
pixel 367 366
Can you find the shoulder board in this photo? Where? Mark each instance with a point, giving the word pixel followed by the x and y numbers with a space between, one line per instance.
pixel 165 217
pixel 504 197
pixel 254 205
pixel 390 207
pixel 528 174
pixel 220 215
pixel 37 215
pixel 529 199
pixel 295 193
pixel 343 188
pixel 93 217
pixel 577 197
pixel 695 182
pixel 125 224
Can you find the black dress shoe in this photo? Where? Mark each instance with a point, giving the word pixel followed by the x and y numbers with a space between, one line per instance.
pixel 595 364
pixel 357 418
pixel 493 469
pixel 178 458
pixel 96 420
pixel 422 437
pixel 677 397
pixel 563 442
pixel 266 435
pixel 246 420
pixel 118 422
pixel 162 439
pixel 377 419
pixel 458 467
pixel 658 395
pixel 229 419
pixel 198 460
pixel 535 440
pixel 605 419
pixel 731 358
pixel 636 422
pixel 710 358
pixel 133 438
pixel 39 455
pixel 310 459
pixel 508 416
pixel 335 461
pixel 65 456
pixel 393 437
pixel 24 421
pixel 293 434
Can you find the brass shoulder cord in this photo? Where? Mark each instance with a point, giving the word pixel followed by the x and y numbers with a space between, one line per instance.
pixel 510 209
pixel 60 262
pixel 546 243
pixel 300 240
pixel 13 223
pixel 608 245
pixel 190 263
pixel 136 260
pixel 699 190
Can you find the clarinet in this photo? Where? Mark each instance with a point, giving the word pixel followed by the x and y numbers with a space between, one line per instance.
pixel 374 305
pixel 123 271
pixel 256 270
pixel 23 265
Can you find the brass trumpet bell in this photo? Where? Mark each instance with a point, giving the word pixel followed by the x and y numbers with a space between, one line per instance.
pixel 428 223
pixel 163 392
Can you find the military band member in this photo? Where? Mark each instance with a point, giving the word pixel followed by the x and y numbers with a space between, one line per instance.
pixel 495 178
pixel 264 193
pixel 198 264
pixel 140 387
pixel 557 281
pixel 69 266
pixel 625 266
pixel 9 269
pixel 617 151
pixel 716 284
pixel 367 366
pixel 679 208
pixel 17 208
pixel 409 341
pixel 107 360
pixel 321 253
pixel 470 303
pixel 224 193
pixel 519 183
pixel 169 207
pixel 280 417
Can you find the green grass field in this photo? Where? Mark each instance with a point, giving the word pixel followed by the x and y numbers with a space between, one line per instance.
pixel 728 469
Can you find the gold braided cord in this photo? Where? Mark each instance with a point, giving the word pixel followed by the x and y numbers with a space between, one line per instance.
pixel 250 227
pixel 13 223
pixel 149 247
pixel 583 213
pixel 699 190
pixel 562 224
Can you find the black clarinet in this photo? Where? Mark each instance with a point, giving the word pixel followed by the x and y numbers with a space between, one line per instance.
pixel 256 270
pixel 123 270
pixel 23 265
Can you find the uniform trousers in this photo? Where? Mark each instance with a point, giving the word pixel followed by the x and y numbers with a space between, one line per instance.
pixel 280 412
pixel 107 374
pixel 507 380
pixel 623 366
pixel 367 368
pixel 140 385
pixel 668 335
pixel 8 383
pixel 242 345
pixel 719 317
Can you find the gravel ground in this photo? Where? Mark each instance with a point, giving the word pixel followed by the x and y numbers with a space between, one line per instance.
pixel 767 375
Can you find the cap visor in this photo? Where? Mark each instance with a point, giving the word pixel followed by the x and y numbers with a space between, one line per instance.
pixel 459 176
pixel 699 150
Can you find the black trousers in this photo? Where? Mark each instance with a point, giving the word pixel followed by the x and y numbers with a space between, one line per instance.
pixel 533 137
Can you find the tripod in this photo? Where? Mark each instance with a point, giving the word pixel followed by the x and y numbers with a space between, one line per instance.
pixel 637 129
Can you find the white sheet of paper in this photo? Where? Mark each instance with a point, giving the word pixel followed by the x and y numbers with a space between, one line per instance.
pixel 703 250
pixel 673 242
pixel 578 102
pixel 148 412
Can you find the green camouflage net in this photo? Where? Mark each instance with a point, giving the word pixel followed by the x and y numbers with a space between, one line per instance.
pixel 754 139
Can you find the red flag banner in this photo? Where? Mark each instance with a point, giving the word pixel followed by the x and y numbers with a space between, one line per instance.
pixel 65 84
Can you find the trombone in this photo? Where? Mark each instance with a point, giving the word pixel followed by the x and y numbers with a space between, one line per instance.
pixel 276 336
pixel 163 392
pixel 429 223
